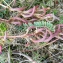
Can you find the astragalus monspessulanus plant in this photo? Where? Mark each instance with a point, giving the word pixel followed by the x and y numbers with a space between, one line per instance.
pixel 36 26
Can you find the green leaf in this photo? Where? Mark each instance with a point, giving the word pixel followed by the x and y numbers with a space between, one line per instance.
pixel 49 25
pixel 3 28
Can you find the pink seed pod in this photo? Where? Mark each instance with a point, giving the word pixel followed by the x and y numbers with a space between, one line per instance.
pixel 50 16
pixel 29 14
pixel 0 49
pixel 17 9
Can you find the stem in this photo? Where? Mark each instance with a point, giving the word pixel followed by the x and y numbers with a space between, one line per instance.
pixel 27 57
pixel 3 6
pixel 6 4
pixel 9 59
pixel 20 36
